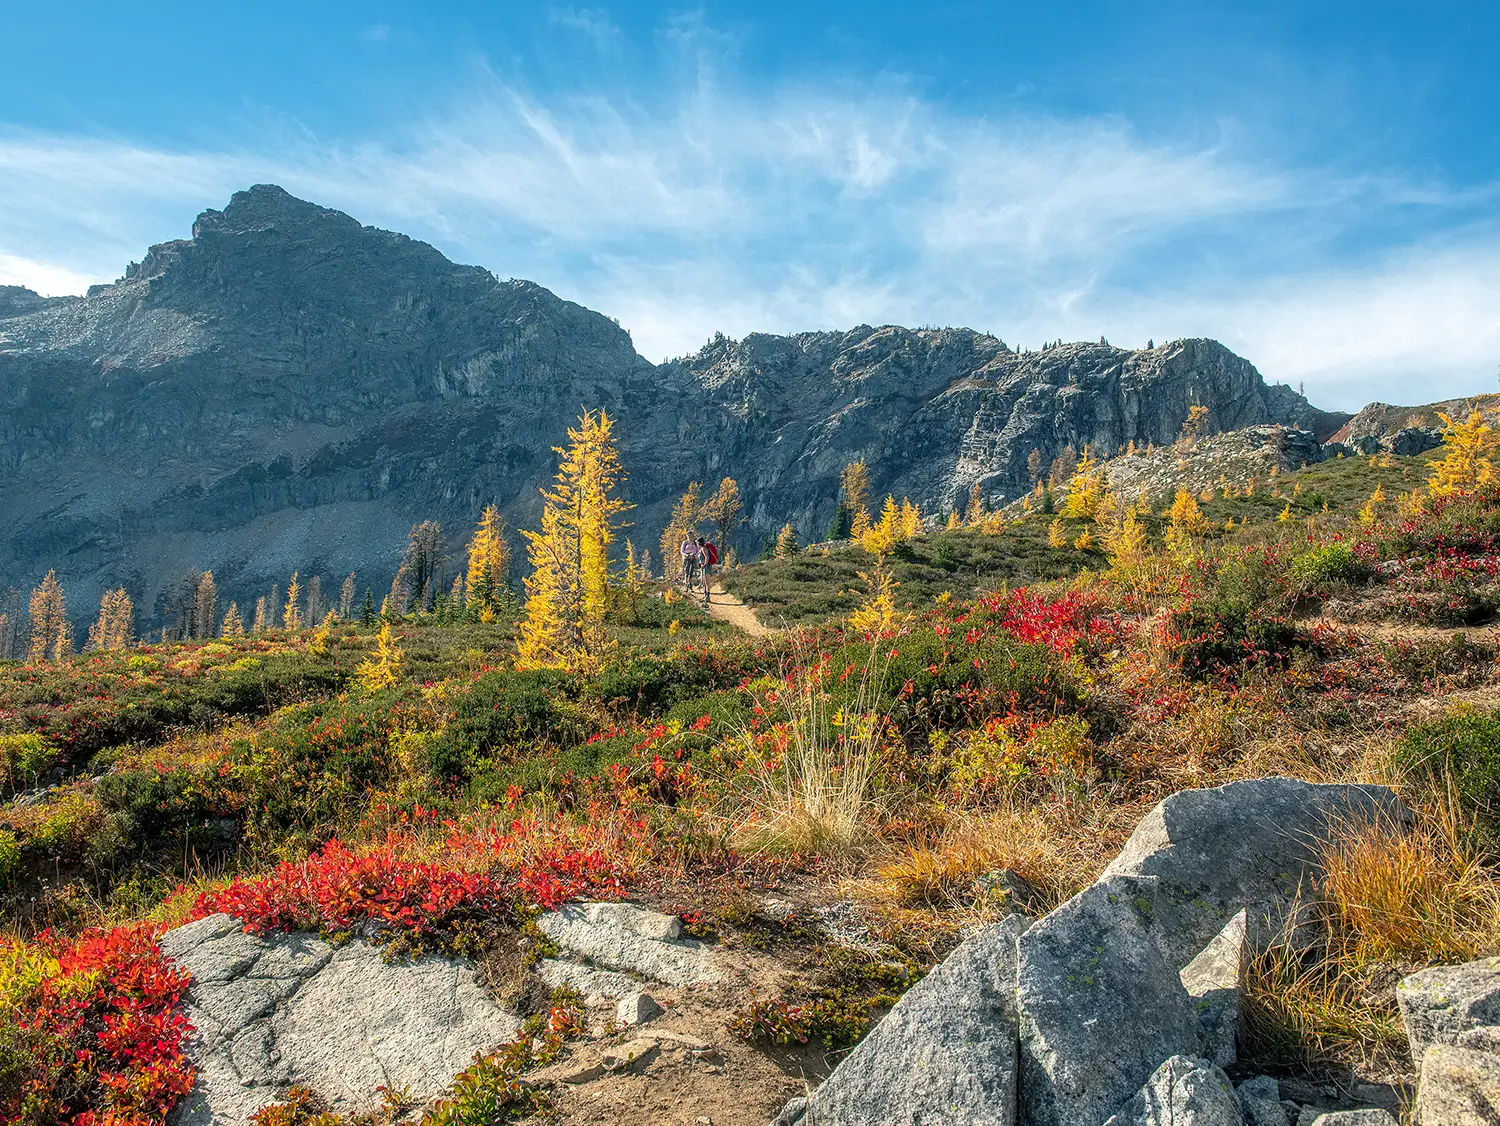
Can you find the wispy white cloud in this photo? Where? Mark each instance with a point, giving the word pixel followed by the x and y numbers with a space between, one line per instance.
pixel 594 23
pixel 820 207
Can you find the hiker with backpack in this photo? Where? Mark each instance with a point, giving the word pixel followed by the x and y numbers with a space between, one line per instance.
pixel 708 558
pixel 692 560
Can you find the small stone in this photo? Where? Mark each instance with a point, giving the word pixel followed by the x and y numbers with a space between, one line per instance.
pixel 1263 1112
pixel 1213 980
pixel 1370 1117
pixel 638 1008
pixel 1261 1087
pixel 630 1054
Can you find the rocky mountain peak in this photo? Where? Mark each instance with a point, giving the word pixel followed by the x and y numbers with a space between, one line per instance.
pixel 291 390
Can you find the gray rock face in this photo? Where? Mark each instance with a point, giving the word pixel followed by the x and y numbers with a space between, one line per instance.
pixel 1247 844
pixel 619 936
pixel 288 390
pixel 1103 995
pixel 1458 1087
pixel 1215 982
pixel 1101 1008
pixel 277 1010
pixel 1441 1003
pixel 1183 1091
pixel 945 1055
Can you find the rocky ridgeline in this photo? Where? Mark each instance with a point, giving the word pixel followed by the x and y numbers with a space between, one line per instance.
pixel 290 390
pixel 1254 452
pixel 1120 1008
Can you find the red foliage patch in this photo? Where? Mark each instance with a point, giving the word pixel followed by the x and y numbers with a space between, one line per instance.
pixel 100 1032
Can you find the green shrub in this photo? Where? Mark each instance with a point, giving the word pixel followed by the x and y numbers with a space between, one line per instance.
pixel 1330 563
pixel 1465 747
pixel 504 716
pixel 25 758
pixel 10 856
pixel 649 685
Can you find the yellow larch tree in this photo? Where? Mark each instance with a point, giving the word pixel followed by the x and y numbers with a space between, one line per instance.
pixel 685 516
pixel 725 510
pixel 854 487
pixel 885 533
pixel 1185 513
pixel 877 614
pixel 1469 462
pixel 116 622
pixel 568 592
pixel 974 511
pixel 1057 533
pixel 291 614
pixel 911 520
pixel 488 573
pixel 383 666
pixel 786 542
pixel 1371 510
pixel 1127 548
pixel 1085 488
pixel 233 625
pixel 51 633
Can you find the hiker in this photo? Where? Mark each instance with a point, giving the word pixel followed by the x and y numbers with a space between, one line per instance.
pixel 692 558
pixel 708 559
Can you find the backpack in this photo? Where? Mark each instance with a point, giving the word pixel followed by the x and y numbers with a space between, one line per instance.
pixel 713 554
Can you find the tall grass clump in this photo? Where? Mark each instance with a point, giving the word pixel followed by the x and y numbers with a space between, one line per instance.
pixel 812 789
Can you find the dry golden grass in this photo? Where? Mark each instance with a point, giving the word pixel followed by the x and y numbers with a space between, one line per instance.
pixel 1057 849
pixel 1394 898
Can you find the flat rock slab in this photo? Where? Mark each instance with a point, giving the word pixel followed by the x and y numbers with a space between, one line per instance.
pixel 1458 1087
pixel 945 1055
pixel 274 1010
pixel 621 936
pixel 1100 1007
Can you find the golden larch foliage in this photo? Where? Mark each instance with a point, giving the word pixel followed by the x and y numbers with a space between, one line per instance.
pixel 568 592
pixel 488 573
pixel 51 634
pixel 291 613
pixel 1469 462
pixel 382 668
pixel 786 542
pixel 1057 533
pixel 233 626
pixel 1085 489
pixel 685 516
pixel 854 486
pixel 115 625
pixel 1185 513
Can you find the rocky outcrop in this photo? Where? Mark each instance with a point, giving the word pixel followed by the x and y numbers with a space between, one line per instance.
pixel 945 1053
pixel 1122 991
pixel 1401 430
pixel 287 1009
pixel 289 390
pixel 1452 1016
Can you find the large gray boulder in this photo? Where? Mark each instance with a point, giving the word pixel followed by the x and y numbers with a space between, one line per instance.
pixel 1251 845
pixel 1103 1000
pixel 945 1055
pixel 1100 1007
pixel 1183 1091
pixel 271 1011
pixel 1441 1003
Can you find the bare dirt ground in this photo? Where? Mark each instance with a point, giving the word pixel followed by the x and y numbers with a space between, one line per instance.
pixel 726 607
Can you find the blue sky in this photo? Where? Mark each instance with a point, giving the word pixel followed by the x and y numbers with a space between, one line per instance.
pixel 1317 184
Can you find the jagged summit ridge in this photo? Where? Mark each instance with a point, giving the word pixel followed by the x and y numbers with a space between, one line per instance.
pixel 289 389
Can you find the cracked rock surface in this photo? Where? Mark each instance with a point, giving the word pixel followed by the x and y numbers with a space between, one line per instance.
pixel 274 1010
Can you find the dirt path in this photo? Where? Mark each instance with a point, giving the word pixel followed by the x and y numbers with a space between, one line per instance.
pixel 727 608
